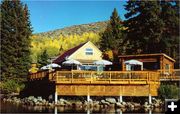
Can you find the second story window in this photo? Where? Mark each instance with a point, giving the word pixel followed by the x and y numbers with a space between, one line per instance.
pixel 89 51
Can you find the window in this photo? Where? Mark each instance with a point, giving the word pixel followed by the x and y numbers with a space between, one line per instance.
pixel 89 51
pixel 167 68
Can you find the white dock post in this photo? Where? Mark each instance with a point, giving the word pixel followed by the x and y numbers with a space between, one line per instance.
pixel 120 99
pixel 56 97
pixel 120 111
pixel 150 111
pixel 55 110
pixel 88 98
pixel 150 99
pixel 88 111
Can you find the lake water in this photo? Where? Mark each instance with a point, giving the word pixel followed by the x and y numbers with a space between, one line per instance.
pixel 7 107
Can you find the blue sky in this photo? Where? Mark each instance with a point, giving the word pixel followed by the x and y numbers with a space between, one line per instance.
pixel 51 15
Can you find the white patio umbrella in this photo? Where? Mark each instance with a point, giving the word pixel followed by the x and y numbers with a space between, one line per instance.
pixel 102 62
pixel 134 62
pixel 53 65
pixel 49 66
pixel 44 68
pixel 72 62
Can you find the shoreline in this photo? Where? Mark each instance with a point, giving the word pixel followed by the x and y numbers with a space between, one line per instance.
pixel 108 102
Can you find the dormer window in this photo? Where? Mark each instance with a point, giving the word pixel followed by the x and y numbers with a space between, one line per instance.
pixel 89 51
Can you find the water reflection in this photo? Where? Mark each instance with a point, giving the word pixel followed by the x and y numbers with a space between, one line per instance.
pixel 15 108
pixel 55 110
pixel 150 111
pixel 105 110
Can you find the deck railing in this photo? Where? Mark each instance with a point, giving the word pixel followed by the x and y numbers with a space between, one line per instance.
pixel 107 77
pixel 166 75
pixel 38 75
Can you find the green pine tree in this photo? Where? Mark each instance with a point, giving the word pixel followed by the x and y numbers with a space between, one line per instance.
pixel 153 27
pixel 43 59
pixel 144 26
pixel 170 16
pixel 15 40
pixel 112 37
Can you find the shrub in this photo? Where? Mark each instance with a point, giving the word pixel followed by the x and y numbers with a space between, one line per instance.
pixel 169 91
pixel 11 86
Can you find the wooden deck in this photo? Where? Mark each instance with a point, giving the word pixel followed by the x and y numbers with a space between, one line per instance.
pixel 174 76
pixel 106 77
pixel 106 83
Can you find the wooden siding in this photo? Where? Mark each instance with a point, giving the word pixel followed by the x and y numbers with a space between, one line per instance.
pixel 107 90
pixel 80 53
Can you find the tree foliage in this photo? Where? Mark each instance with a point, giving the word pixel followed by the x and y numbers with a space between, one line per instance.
pixel 15 41
pixel 43 59
pixel 152 26
pixel 60 44
pixel 167 91
pixel 11 86
pixel 112 38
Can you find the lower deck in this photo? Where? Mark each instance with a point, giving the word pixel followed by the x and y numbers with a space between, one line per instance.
pixel 107 90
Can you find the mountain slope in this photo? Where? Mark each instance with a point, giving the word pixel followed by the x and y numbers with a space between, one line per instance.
pixel 76 29
pixel 58 41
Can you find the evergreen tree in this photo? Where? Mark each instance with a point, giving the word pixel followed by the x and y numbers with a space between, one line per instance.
pixel 153 26
pixel 43 59
pixel 112 37
pixel 170 16
pixel 15 41
pixel 144 26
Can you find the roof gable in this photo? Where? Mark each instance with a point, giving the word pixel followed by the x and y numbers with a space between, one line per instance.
pixel 87 43
pixel 68 53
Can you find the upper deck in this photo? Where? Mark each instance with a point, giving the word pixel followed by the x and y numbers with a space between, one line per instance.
pixel 108 77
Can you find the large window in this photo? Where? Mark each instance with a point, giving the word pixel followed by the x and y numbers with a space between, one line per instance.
pixel 89 51
pixel 88 67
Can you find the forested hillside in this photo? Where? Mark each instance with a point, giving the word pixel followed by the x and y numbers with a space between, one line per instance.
pixel 58 41
pixel 76 29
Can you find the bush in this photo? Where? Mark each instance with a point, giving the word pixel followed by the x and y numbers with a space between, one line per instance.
pixel 169 92
pixel 11 86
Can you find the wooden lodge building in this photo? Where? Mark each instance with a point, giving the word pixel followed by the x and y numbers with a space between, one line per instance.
pixel 141 82
pixel 86 53
pixel 151 62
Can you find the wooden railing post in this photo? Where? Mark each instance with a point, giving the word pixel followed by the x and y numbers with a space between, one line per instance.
pixel 130 77
pixel 110 77
pixel 56 77
pixel 91 78
pixel 149 78
pixel 71 76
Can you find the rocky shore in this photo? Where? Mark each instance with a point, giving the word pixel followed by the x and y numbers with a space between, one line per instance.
pixel 104 103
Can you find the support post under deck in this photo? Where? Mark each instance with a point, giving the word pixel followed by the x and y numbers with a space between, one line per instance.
pixel 150 99
pixel 55 98
pixel 88 98
pixel 120 99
